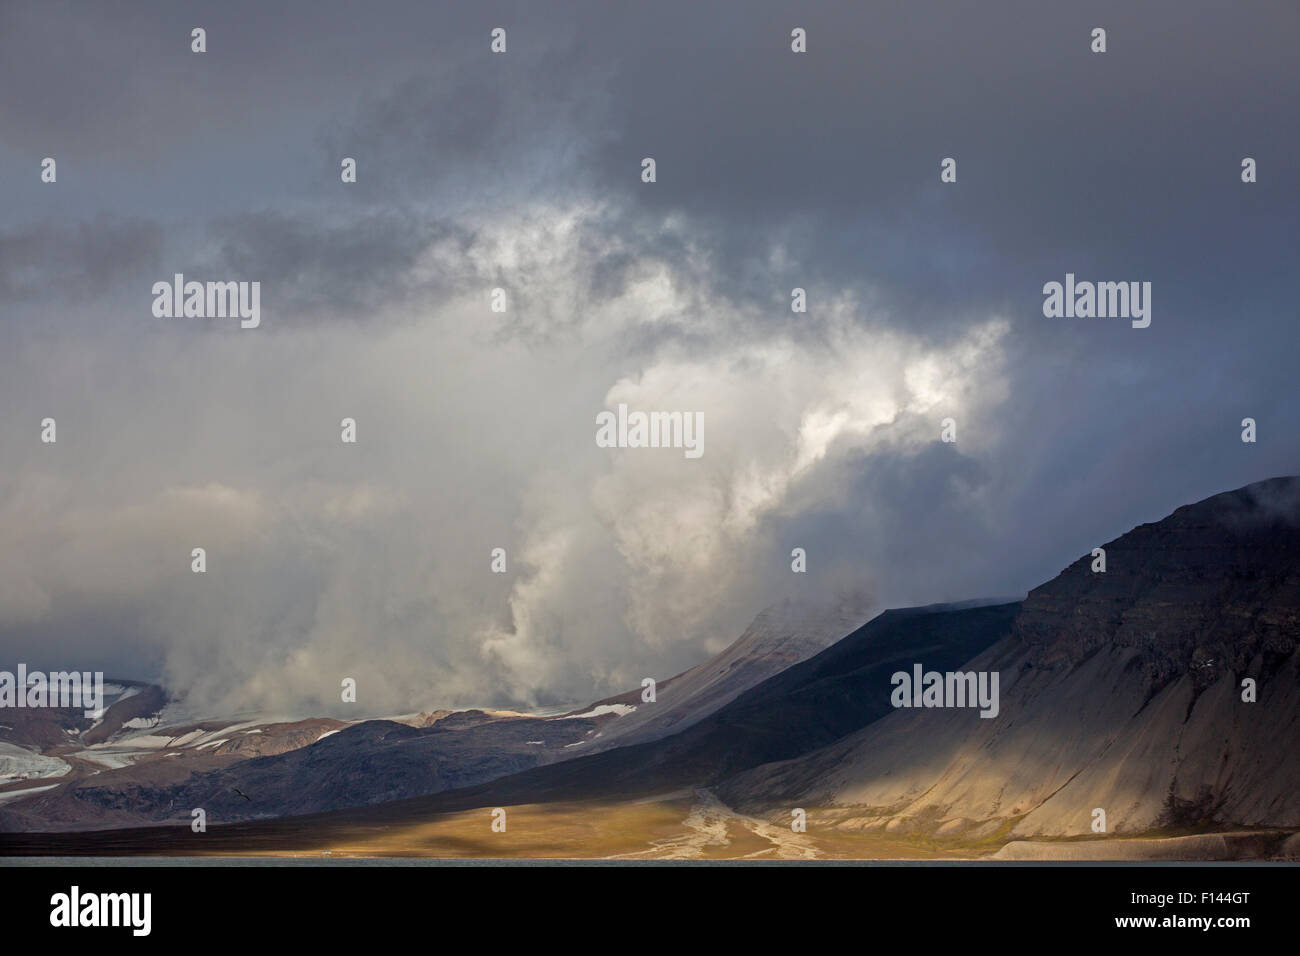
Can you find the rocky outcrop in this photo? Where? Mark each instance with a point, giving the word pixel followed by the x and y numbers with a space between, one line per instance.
pixel 1203 593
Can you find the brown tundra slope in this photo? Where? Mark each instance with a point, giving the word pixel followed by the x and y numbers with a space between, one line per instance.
pixel 1120 690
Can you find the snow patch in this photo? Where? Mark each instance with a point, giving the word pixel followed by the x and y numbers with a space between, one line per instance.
pixel 140 741
pixel 19 763
pixel 189 738
pixel 620 710
pixel 111 759
pixel 15 794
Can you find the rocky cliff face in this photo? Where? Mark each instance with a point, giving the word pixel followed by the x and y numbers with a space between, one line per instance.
pixel 1121 691
pixel 1202 593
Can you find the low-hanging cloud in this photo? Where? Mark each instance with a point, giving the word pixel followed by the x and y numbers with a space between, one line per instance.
pixel 327 560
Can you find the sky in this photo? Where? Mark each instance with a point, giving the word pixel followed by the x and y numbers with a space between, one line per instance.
pixel 475 429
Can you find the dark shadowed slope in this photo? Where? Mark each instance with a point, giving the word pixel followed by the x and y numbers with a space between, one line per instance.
pixel 781 636
pixel 805 707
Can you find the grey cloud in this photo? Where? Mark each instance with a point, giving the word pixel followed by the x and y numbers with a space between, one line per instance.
pixel 46 261
pixel 317 267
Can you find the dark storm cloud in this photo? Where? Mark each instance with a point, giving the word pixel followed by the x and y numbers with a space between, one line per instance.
pixel 339 266
pixel 1128 158
pixel 45 261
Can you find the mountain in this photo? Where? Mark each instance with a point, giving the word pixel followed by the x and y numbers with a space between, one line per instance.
pixel 799 709
pixel 1164 691
pixel 332 765
pixel 780 637
pixel 141 739
pixel 802 708
pixel 1121 691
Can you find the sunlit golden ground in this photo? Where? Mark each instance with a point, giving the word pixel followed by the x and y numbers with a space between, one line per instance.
pixel 686 825
pixel 681 826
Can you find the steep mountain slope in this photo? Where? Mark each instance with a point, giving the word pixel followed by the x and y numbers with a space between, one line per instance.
pixel 1121 691
pixel 781 636
pixel 798 710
